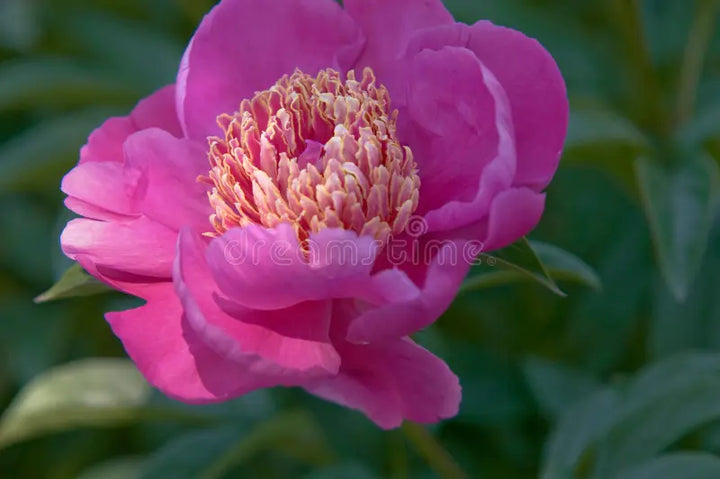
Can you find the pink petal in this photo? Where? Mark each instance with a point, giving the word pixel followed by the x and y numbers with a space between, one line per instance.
pixel 99 186
pixel 252 337
pixel 91 211
pixel 392 382
pixel 243 46
pixel 167 169
pixel 534 86
pixel 458 110
pixel 171 356
pixel 265 269
pixel 105 143
pixel 388 25
pixel 157 110
pixel 103 185
pixel 514 213
pixel 537 96
pixel 136 285
pixel 407 314
pixel 138 246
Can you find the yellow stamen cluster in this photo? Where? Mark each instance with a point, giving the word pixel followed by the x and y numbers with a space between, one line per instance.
pixel 316 153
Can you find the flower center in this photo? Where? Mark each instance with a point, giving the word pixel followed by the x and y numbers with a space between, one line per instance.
pixel 316 153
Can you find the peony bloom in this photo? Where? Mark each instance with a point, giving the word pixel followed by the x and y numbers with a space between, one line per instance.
pixel 310 192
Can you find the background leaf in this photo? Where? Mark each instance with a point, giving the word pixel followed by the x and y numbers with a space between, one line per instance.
pixel 684 391
pixel 518 260
pixel 91 392
pixel 49 146
pixel 121 468
pixel 54 82
pixel 577 430
pixel 672 466
pixel 557 387
pixel 598 127
pixel 188 456
pixel 616 429
pixel 352 471
pixel 213 453
pixel 73 283
pixel 19 27
pixel 680 204
pixel 694 324
pixel 547 264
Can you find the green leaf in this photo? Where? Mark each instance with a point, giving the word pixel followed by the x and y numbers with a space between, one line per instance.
pixel 40 155
pixel 118 468
pixel 295 434
pixel 557 387
pixel 694 324
pixel 580 427
pixel 564 266
pixel 91 392
pixel 521 259
pixel 531 260
pixel 189 455
pixel 606 140
pixel 702 126
pixel 29 337
pixel 494 391
pixel 597 127
pixel 345 471
pixel 24 253
pixel 40 83
pixel 155 55
pixel 74 282
pixel 684 391
pixel 600 327
pixel 18 24
pixel 680 204
pixel 615 430
pixel 675 466
pixel 213 453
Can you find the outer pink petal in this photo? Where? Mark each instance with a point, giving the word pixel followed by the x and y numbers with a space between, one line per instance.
pixel 100 187
pixel 388 25
pixel 514 213
pixel 105 143
pixel 245 338
pixel 537 94
pixel 408 314
pixel 243 46
pixel 534 86
pixel 458 111
pixel 138 247
pixel 392 382
pixel 171 356
pixel 143 287
pixel 103 185
pixel 266 269
pixel 167 169
pixel 89 210
pixel 157 110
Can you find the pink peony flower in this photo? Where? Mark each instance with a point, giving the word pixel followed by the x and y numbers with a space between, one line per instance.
pixel 310 192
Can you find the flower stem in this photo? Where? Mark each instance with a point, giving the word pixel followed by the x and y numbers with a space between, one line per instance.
pixel 434 453
pixel 695 50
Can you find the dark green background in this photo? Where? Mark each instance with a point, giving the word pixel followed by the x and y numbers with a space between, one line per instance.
pixel 528 360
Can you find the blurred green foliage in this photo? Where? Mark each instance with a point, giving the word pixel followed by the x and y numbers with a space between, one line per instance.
pixel 618 382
